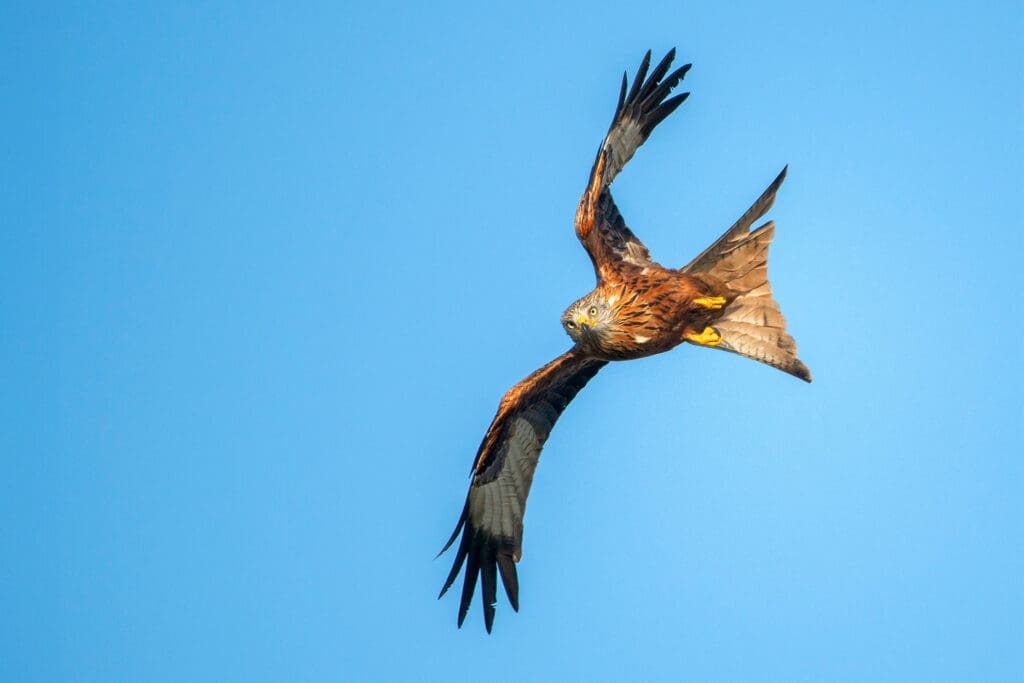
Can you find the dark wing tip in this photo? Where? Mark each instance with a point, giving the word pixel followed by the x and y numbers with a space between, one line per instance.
pixel 800 371
pixel 455 534
pixel 469 584
pixel 507 568
pixel 489 581
pixel 460 558
pixel 622 95
pixel 659 72
pixel 662 112
pixel 767 198
pixel 482 557
pixel 641 74
pixel 645 103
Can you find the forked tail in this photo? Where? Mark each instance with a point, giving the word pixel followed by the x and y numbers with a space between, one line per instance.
pixel 751 324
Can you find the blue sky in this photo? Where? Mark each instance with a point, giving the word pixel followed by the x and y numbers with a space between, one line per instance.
pixel 266 273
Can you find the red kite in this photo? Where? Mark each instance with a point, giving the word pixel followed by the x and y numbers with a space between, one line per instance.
pixel 720 300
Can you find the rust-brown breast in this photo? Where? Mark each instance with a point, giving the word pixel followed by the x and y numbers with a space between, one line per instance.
pixel 653 307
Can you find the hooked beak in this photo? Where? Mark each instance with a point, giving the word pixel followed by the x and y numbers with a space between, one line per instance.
pixel 585 324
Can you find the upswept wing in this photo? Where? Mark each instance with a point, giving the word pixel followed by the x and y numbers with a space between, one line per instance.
pixel 713 257
pixel 599 225
pixel 752 325
pixel 492 519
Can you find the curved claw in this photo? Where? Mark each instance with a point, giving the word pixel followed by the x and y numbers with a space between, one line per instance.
pixel 712 302
pixel 709 337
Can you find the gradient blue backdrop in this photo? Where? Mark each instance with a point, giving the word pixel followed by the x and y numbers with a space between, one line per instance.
pixel 266 273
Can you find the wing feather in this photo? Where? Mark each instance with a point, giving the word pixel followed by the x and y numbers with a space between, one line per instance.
pixel 509 579
pixel 489 585
pixel 492 519
pixel 712 256
pixel 641 73
pixel 636 116
pixel 472 572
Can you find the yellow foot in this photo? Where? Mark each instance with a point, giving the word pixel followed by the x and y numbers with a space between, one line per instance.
pixel 709 337
pixel 712 302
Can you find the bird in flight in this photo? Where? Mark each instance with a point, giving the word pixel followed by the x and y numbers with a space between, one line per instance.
pixel 720 300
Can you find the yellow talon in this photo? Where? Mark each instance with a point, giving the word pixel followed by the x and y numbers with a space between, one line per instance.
pixel 712 302
pixel 709 337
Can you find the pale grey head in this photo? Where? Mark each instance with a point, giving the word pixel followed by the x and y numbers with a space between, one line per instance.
pixel 588 319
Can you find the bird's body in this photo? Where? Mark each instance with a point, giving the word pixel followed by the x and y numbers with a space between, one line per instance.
pixel 651 310
pixel 638 308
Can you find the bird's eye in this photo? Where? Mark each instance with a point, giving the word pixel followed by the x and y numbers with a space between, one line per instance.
pixel 570 324
pixel 592 312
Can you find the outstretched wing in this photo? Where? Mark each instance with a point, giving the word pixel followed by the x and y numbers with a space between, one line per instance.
pixel 599 225
pixel 492 520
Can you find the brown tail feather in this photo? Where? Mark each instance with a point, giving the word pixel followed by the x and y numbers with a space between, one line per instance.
pixel 751 324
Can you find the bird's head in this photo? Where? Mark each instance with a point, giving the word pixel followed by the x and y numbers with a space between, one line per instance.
pixel 587 320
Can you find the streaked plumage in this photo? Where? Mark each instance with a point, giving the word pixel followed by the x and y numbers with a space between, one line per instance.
pixel 721 299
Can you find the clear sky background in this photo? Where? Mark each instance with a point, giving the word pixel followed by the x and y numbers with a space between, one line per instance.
pixel 266 272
